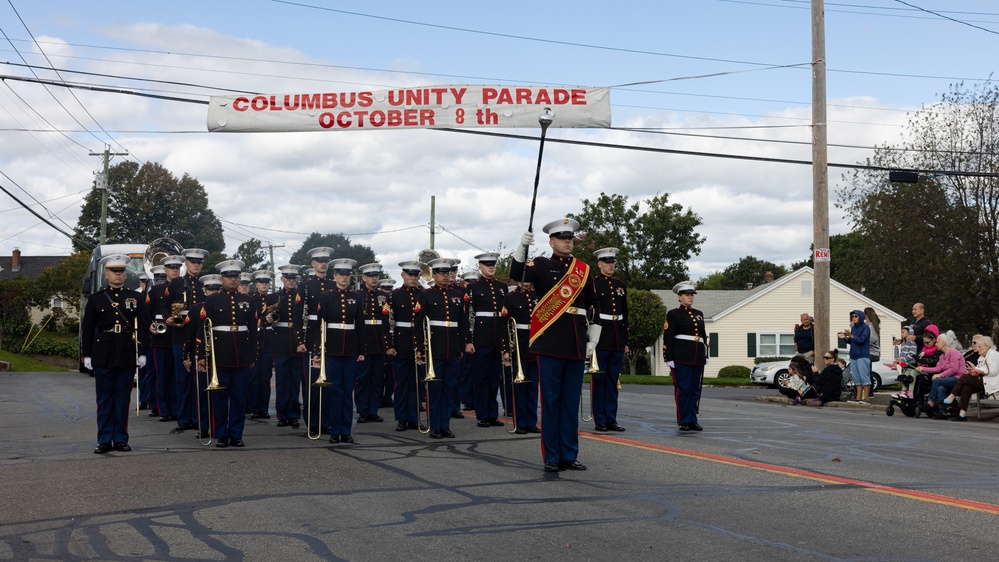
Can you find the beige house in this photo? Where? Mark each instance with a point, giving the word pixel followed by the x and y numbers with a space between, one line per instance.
pixel 759 322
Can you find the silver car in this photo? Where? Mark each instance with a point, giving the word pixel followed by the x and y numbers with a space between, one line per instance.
pixel 775 373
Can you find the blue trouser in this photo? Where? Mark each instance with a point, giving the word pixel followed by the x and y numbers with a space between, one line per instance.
pixel 561 387
pixel 604 386
pixel 486 373
pixel 341 371
pixel 439 395
pixel 114 389
pixel 185 387
pixel 229 404
pixel 368 390
pixel 939 389
pixel 166 388
pixel 259 398
pixel 465 380
pixel 687 391
pixel 288 379
pixel 526 396
pixel 318 405
pixel 404 398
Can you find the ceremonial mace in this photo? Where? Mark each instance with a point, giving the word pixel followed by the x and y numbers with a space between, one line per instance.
pixel 546 118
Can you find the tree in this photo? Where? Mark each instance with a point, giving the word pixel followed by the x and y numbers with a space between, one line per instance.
pixel 16 295
pixel 63 281
pixel 749 270
pixel 935 241
pixel 655 244
pixel 252 254
pixel 148 202
pixel 342 248
pixel 646 315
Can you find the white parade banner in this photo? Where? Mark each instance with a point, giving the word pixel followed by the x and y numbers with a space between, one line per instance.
pixel 454 106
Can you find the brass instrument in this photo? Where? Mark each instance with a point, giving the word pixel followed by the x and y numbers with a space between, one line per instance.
pixel 320 382
pixel 160 327
pixel 159 249
pixel 425 257
pixel 431 377
pixel 177 312
pixel 517 367
pixel 272 309
pixel 213 383
pixel 594 369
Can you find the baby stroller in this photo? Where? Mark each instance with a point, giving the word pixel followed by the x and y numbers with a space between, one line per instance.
pixel 914 403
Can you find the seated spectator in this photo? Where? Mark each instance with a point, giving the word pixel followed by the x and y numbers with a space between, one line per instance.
pixel 828 382
pixel 949 367
pixel 983 377
pixel 905 362
pixel 798 388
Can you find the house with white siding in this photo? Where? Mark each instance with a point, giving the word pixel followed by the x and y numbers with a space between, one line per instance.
pixel 759 322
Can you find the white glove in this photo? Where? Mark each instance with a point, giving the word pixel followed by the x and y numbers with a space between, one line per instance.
pixel 526 240
pixel 87 364
pixel 142 361
pixel 591 348
pixel 670 365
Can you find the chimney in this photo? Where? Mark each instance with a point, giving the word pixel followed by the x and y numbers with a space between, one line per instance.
pixel 749 286
pixel 15 260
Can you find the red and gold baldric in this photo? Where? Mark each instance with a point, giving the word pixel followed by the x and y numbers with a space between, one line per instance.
pixel 557 301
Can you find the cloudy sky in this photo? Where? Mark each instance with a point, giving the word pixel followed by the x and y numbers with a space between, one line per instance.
pixel 885 59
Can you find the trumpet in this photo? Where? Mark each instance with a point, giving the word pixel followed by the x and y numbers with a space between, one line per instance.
pixel 160 327
pixel 213 383
pixel 320 383
pixel 516 367
pixel 431 377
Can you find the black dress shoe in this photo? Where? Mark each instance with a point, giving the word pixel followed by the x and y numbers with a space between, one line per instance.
pixel 521 431
pixel 153 413
pixel 696 427
pixel 413 425
pixel 574 465
pixel 202 435
pixel 613 426
pixel 282 423
pixel 123 447
pixel 102 448
pixel 482 423
pixel 326 431
pixel 362 419
pixel 375 418
pixel 496 423
pixel 143 406
pixel 334 438
pixel 264 416
pixel 553 467
pixel 600 427
pixel 222 443
pixel 468 407
pixel 293 423
pixel 435 435
pixel 314 431
pixel 457 415
pixel 233 442
pixel 254 416
pixel 447 433
pixel 684 427
pixel 165 418
pixel 346 439
pixel 401 426
pixel 533 429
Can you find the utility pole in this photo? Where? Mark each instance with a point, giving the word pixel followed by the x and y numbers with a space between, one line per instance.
pixel 820 180
pixel 433 205
pixel 103 181
pixel 270 247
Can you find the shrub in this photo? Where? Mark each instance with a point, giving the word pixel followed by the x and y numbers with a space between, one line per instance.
pixel 734 372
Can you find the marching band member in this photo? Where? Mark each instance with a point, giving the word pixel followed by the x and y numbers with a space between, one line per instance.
pixel 288 347
pixel 158 302
pixel 340 314
pixel 245 280
pixel 484 298
pixel 211 285
pixel 233 333
pixel 444 306
pixel 259 397
pixel 374 337
pixel 111 349
pixel 317 283
pixel 519 304
pixel 612 295
pixel 402 343
pixel 559 337
pixel 685 350
pixel 185 291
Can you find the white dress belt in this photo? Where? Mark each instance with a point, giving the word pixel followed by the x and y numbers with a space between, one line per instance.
pixel 575 310
pixel 523 326
pixel 282 324
pixel 403 324
pixel 230 329
pixel 313 317
pixel 340 326
pixel 373 322
pixel 444 323
pixel 489 314
pixel 691 338
pixel 611 316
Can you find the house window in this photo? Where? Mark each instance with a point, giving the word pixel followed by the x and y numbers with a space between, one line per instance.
pixel 775 344
pixel 806 288
pixel 56 302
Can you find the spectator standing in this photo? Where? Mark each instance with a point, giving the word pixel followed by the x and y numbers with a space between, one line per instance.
pixel 804 338
pixel 919 324
pixel 858 335
pixel 874 323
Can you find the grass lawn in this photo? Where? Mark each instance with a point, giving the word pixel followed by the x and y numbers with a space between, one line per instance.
pixel 21 364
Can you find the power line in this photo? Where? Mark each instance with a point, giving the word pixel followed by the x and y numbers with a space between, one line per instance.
pixel 941 15
pixel 40 217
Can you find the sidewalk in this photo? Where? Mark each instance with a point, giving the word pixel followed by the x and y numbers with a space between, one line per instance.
pixel 879 402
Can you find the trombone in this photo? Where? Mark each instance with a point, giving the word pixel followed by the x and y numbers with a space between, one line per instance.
pixel 516 367
pixel 594 369
pixel 213 383
pixel 431 377
pixel 321 382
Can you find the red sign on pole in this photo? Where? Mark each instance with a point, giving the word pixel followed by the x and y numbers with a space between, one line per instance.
pixel 822 254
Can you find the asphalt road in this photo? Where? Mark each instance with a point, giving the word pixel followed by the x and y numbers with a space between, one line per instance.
pixel 763 481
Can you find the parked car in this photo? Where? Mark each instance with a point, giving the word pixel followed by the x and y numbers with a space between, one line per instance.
pixel 775 373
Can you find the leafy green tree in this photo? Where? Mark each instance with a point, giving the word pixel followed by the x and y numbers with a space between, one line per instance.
pixel 646 314
pixel 252 254
pixel 935 241
pixel 749 270
pixel 63 281
pixel 655 244
pixel 342 248
pixel 16 295
pixel 712 281
pixel 149 202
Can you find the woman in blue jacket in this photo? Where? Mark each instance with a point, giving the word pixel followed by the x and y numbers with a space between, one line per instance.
pixel 859 338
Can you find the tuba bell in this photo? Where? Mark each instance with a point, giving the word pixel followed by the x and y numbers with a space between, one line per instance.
pixel 425 257
pixel 159 249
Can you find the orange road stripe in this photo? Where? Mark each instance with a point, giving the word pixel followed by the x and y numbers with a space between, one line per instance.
pixel 880 488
